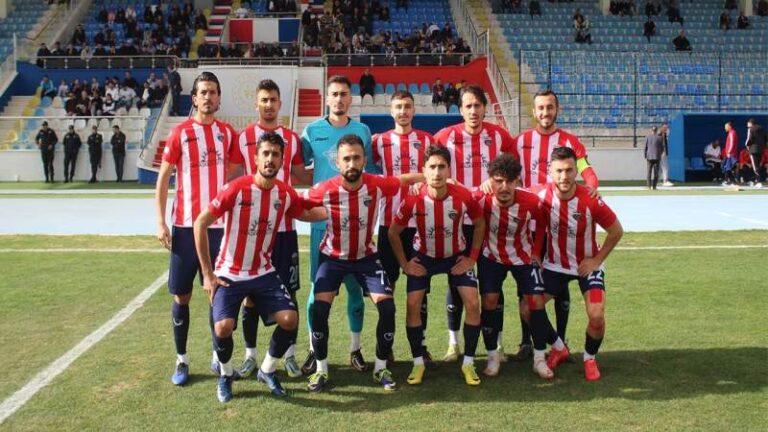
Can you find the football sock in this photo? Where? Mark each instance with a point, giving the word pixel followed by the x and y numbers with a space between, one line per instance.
pixel 251 353
pixel 453 337
pixel 454 308
pixel 489 322
pixel 182 358
pixel 500 314
pixel 281 340
pixel 269 364
pixel 250 326
pixel 180 322
pixel 354 342
pixel 424 315
pixel 539 329
pixel 562 309
pixel 225 346
pixel 320 312
pixel 471 335
pixel 385 328
pixel 291 351
pixel 379 364
pixel 591 345
pixel 415 336
pixel 525 332
pixel 322 366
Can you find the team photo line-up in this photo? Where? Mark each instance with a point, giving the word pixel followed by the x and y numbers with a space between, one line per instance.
pixel 470 202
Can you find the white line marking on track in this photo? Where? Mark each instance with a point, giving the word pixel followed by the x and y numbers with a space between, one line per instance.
pixel 44 377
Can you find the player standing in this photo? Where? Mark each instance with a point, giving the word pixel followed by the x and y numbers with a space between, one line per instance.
pixel 571 215
pixel 347 249
pixel 399 151
pixel 285 253
pixel 198 148
pixel 318 146
pixel 508 248
pixel 254 206
pixel 472 145
pixel 439 209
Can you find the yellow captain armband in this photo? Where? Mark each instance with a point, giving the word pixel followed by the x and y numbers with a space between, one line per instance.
pixel 582 164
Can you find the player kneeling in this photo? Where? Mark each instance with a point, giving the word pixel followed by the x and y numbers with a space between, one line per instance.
pixel 253 207
pixel 508 248
pixel 570 218
pixel 439 209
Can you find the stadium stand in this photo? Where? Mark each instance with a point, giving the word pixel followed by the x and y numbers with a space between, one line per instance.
pixel 22 18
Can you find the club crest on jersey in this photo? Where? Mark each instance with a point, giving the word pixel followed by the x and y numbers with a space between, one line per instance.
pixel 367 201
pixel 576 216
pixel 515 219
pixel 494 228
pixel 188 139
pixel 330 156
pixel 452 214
pixel 416 144
pixel 276 205
pixel 487 141
pixel 220 137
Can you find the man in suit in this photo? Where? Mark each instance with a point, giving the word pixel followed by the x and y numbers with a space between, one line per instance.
pixel 756 140
pixel 72 143
pixel 94 152
pixel 118 151
pixel 654 148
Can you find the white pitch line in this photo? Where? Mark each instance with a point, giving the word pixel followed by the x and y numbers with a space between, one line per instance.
pixel 640 248
pixel 44 377
pixel 53 250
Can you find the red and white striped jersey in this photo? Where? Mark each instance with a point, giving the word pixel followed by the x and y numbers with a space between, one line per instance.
pixel 251 217
pixel 471 154
pixel 398 154
pixel 535 151
pixel 351 214
pixel 200 154
pixel 571 226
pixel 509 235
pixel 244 151
pixel 438 221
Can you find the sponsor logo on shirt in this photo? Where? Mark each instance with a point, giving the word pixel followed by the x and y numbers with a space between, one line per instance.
pixel 398 161
pixel 435 232
pixel 259 225
pixel 352 224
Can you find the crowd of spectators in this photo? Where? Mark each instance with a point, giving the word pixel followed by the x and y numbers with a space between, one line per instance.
pixel 112 97
pixel 248 50
pixel 348 29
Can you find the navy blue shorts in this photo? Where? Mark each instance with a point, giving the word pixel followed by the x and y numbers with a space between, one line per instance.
pixel 267 292
pixel 729 163
pixel 469 235
pixel 285 258
pixel 367 271
pixel 491 275
pixel 555 283
pixel 184 264
pixel 437 266
pixel 388 260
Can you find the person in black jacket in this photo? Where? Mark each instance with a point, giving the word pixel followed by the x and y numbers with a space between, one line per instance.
pixel 756 140
pixel 46 141
pixel 118 151
pixel 94 152
pixel 72 145
pixel 174 82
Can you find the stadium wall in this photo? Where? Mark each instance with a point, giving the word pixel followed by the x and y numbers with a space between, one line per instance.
pixel 26 165
pixel 689 133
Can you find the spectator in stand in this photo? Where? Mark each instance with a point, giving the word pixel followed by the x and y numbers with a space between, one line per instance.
pixel 201 22
pixel 174 80
pixel 127 97
pixel 70 105
pixel 438 93
pixel 129 81
pixel 730 154
pixel 367 84
pixel 78 36
pixel 742 22
pixel 652 7
pixel 63 90
pixel 451 97
pixel 582 31
pixel 577 17
pixel 146 96
pixel 109 107
pixel 681 42
pixel 83 104
pixel 96 104
pixel 42 52
pixel 673 13
pixel 118 151
pixel 725 21
pixel 534 8
pixel 649 28
pixel 46 87
pixel 731 4
pixel 762 8
pixel 713 159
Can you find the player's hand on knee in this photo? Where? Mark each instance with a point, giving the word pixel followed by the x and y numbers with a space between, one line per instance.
pixel 164 235
pixel 587 266
pixel 463 265
pixel 414 268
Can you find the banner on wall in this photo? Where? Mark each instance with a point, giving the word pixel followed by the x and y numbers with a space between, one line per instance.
pixel 238 89
pixel 284 30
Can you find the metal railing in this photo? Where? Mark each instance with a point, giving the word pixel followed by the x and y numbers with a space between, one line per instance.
pixel 467 29
pixel 453 59
pixel 107 62
pixel 21 130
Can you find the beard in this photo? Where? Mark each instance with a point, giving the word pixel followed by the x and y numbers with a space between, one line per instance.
pixel 266 173
pixel 352 175
pixel 554 121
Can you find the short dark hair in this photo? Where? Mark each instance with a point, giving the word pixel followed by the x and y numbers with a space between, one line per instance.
pixel 351 140
pixel 505 165
pixel 273 138
pixel 563 153
pixel 268 85
pixel 206 76
pixel 440 151
pixel 402 94
pixel 339 79
pixel 475 90
pixel 547 92
pixel 752 120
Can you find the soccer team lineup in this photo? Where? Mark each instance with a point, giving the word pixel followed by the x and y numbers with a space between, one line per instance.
pixel 486 210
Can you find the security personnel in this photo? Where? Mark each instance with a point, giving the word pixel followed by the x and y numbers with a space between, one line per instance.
pixel 94 151
pixel 118 151
pixel 72 145
pixel 46 141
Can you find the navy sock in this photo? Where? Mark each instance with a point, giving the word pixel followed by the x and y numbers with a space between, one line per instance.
pixel 424 315
pixel 385 328
pixel 471 336
pixel 180 322
pixel 250 326
pixel 455 307
pixel 489 322
pixel 415 337
pixel 550 331
pixel 525 332
pixel 500 311
pixel 281 340
pixel 540 329
pixel 320 312
pixel 225 346
pixel 562 309
pixel 211 324
pixel 591 345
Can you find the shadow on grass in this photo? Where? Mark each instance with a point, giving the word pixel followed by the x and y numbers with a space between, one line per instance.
pixel 634 375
